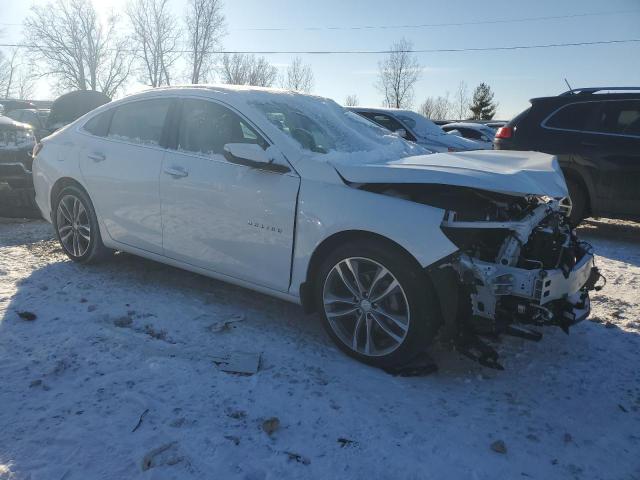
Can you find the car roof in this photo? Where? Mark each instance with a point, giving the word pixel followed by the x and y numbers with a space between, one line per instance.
pixel 379 109
pixel 586 96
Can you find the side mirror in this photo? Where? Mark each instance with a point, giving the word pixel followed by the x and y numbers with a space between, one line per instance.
pixel 401 132
pixel 252 155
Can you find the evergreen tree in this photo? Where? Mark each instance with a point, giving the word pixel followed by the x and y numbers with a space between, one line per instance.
pixel 482 106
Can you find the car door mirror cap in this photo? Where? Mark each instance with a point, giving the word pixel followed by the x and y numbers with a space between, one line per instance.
pixel 252 155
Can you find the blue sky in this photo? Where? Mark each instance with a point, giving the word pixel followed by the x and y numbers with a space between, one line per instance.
pixel 515 76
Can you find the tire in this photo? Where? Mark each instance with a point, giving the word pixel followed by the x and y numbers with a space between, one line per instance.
pixel 412 300
pixel 76 226
pixel 578 202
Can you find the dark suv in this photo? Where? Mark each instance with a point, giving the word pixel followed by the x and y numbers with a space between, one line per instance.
pixel 595 132
pixel 16 143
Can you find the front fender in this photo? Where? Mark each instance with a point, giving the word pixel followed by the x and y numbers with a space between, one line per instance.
pixel 326 209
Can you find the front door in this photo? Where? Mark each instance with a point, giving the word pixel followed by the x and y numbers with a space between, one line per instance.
pixel 229 218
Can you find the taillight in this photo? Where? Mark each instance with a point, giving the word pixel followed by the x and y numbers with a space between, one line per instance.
pixel 504 132
pixel 36 149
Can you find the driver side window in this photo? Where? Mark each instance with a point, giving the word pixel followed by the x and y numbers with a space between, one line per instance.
pixel 206 127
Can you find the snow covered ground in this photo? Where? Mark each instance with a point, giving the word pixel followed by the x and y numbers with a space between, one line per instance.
pixel 113 341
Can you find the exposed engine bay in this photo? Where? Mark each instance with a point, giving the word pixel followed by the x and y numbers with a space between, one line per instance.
pixel 520 262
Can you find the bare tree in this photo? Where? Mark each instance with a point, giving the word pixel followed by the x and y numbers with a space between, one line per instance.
pixel 246 69
pixel 24 84
pixel 155 35
pixel 8 72
pixel 462 101
pixel 299 77
pixel 206 27
pixel 352 101
pixel 436 108
pixel 398 74
pixel 70 42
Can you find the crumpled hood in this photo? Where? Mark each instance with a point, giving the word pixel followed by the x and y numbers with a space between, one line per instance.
pixel 510 172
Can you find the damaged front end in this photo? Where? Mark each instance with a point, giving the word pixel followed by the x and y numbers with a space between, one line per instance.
pixel 518 267
pixel 519 264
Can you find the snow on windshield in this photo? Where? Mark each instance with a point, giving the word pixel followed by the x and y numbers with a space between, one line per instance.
pixel 419 124
pixel 321 126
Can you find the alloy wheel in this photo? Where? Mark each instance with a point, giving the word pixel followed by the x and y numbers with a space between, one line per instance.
pixel 74 227
pixel 366 306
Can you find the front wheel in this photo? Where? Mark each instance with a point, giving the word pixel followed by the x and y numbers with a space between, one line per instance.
pixel 76 226
pixel 376 303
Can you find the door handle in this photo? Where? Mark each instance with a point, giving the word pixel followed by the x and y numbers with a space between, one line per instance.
pixel 97 156
pixel 176 172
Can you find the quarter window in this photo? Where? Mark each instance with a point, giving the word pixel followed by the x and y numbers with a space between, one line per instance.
pixel 576 116
pixel 99 125
pixel 140 122
pixel 619 117
pixel 206 127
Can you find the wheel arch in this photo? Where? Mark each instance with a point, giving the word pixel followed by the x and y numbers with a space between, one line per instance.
pixel 575 175
pixel 60 185
pixel 328 245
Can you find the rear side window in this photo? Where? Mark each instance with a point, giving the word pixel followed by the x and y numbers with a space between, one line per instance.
pixel 575 116
pixel 470 133
pixel 99 125
pixel 385 121
pixel 206 127
pixel 140 122
pixel 619 117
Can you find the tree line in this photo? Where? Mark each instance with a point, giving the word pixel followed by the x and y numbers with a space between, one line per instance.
pixel 68 42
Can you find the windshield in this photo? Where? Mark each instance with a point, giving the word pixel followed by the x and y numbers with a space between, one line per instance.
pixel 420 125
pixel 323 127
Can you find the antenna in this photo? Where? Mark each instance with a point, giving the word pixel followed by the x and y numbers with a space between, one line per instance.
pixel 567 82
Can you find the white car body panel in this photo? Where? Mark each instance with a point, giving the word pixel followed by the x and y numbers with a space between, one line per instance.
pixel 233 219
pixel 260 229
pixel 511 172
pixel 326 209
pixel 123 180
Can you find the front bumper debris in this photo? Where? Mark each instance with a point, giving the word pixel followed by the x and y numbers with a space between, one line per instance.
pixel 537 274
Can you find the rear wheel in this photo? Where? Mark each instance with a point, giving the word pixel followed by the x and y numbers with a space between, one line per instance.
pixel 578 201
pixel 76 226
pixel 377 304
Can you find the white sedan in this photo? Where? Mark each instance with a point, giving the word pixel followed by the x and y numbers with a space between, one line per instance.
pixel 477 132
pixel 294 196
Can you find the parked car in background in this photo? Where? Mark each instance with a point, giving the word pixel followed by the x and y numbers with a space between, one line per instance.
pixel 71 106
pixel 495 124
pixel 476 132
pixel 16 144
pixel 595 133
pixel 416 128
pixel 7 105
pixel 37 118
pixel 294 196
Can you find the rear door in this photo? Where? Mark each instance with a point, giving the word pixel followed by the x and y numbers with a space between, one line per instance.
pixel 120 158
pixel 602 139
pixel 615 146
pixel 233 219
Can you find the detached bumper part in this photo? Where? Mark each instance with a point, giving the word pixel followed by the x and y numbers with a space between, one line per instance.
pixel 537 296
